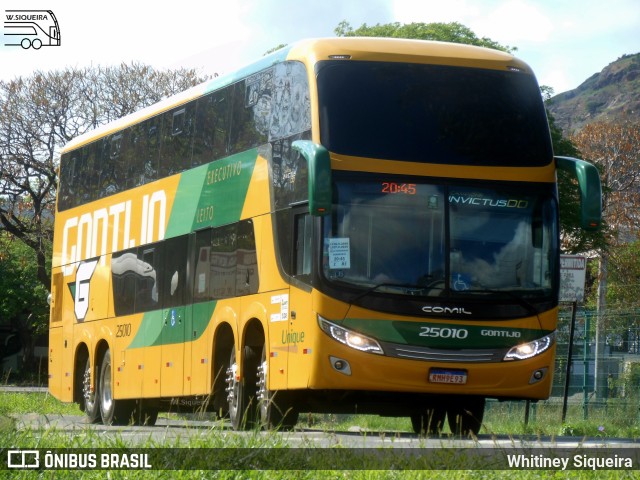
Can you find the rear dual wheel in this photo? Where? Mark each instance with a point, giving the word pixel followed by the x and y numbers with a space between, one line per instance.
pixel 99 405
pixel 277 409
pixel 241 390
pixel 113 412
pixel 251 403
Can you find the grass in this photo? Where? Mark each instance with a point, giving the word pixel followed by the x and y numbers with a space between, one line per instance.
pixel 505 418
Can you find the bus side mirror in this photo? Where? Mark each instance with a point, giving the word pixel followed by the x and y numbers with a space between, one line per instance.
pixel 590 190
pixel 319 166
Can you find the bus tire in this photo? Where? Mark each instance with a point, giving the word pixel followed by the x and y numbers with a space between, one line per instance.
pixel 113 412
pixel 90 396
pixel 465 415
pixel 277 410
pixel 241 392
pixel 430 422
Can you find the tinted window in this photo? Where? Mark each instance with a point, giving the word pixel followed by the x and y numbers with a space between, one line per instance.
pixel 125 270
pixel 174 272
pixel 223 261
pixel 202 279
pixel 87 170
pixel 247 260
pixel 244 133
pixel 177 135
pixel 432 113
pixel 148 278
pixel 212 119
pixel 226 262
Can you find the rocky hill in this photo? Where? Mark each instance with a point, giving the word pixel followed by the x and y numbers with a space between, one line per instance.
pixel 605 96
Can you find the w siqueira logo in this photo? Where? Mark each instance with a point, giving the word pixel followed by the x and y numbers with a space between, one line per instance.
pixel 30 29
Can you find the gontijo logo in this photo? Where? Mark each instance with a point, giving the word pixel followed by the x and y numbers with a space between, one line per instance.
pixel 31 28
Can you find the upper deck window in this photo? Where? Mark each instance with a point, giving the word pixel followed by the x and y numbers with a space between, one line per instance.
pixel 432 114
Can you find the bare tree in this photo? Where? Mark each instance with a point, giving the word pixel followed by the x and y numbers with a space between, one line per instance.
pixel 39 114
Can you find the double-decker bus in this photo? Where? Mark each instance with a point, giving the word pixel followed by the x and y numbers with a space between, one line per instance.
pixel 347 225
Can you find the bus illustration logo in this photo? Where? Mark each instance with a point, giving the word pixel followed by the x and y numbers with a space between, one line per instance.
pixel 31 29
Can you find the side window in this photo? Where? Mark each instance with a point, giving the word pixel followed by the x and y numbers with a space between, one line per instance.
pixel 148 279
pixel 121 167
pixel 125 270
pixel 177 136
pixel 223 261
pixel 247 280
pixel 110 154
pixel 144 144
pixel 133 156
pixel 303 227
pixel 203 267
pixel 245 132
pixel 88 174
pixel 68 186
pixel 174 273
pixel 211 129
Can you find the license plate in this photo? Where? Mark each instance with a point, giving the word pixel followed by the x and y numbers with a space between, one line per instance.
pixel 458 377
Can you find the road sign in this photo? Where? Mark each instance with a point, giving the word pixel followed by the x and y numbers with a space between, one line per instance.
pixel 573 272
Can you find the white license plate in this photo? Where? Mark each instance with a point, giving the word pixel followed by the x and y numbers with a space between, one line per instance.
pixel 458 377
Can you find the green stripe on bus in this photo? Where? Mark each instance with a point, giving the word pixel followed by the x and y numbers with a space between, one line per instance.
pixel 443 335
pixel 212 195
pixel 157 329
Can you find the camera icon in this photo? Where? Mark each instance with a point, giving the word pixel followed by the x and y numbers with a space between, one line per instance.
pixel 23 459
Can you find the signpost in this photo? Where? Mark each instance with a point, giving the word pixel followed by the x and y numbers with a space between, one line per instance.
pixel 573 271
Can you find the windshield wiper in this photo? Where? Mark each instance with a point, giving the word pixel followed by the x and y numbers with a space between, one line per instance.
pixel 520 300
pixel 407 290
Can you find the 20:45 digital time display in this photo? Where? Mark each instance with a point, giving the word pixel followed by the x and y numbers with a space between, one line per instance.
pixel 398 188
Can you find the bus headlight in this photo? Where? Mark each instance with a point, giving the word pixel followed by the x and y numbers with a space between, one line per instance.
pixel 350 338
pixel 531 349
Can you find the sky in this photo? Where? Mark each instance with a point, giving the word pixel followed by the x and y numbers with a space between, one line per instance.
pixel 564 41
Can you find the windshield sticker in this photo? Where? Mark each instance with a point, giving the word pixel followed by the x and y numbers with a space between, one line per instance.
pixel 460 282
pixel 339 253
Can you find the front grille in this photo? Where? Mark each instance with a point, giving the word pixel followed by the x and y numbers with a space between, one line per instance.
pixel 443 355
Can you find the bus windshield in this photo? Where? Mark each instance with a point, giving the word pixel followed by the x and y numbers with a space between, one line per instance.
pixel 405 236
pixel 432 114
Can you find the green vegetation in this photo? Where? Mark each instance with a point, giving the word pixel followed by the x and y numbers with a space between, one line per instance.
pixel 610 420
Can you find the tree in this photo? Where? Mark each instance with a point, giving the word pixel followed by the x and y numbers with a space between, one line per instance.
pixel 41 113
pixel 444 32
pixel 573 238
pixel 615 149
pixel 23 306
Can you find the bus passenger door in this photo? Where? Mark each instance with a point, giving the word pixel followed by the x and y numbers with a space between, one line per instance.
pixel 301 318
pixel 174 288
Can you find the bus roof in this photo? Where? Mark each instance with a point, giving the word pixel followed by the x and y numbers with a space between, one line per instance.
pixel 311 51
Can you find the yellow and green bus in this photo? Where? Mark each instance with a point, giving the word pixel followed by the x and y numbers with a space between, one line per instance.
pixel 347 225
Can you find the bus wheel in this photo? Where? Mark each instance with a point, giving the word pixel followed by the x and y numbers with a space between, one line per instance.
pixel 241 391
pixel 91 405
pixel 430 422
pixel 36 44
pixel 465 415
pixel 113 412
pixel 275 412
pixel 26 43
